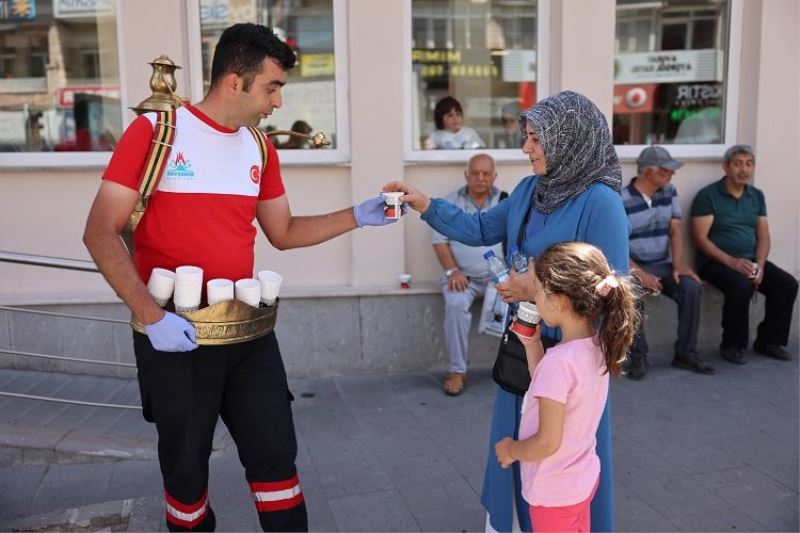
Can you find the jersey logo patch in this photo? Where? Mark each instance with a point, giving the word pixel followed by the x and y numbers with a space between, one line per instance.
pixel 179 168
pixel 255 174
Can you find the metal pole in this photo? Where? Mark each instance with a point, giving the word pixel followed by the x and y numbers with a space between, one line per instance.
pixel 45 261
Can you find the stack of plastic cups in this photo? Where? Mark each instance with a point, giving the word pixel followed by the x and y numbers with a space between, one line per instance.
pixel 160 285
pixel 219 290
pixel 248 290
pixel 188 288
pixel 270 286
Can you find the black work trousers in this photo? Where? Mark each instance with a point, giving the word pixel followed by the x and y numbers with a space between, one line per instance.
pixel 245 384
pixel 780 289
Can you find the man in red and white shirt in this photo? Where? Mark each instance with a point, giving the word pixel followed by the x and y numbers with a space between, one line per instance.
pixel 201 213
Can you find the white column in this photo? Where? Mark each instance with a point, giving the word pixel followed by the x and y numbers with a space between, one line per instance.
pixel 582 45
pixel 143 18
pixel 778 130
pixel 376 125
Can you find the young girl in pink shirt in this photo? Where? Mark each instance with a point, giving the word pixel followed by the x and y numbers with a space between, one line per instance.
pixel 577 291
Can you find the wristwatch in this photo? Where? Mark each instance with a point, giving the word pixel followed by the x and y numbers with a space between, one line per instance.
pixel 450 271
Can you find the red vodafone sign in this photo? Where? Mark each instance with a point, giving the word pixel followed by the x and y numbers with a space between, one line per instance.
pixel 66 95
pixel 634 98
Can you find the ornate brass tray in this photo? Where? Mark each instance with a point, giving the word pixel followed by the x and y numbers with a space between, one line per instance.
pixel 228 322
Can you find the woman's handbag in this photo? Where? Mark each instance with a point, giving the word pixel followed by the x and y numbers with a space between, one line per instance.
pixel 511 366
pixel 510 369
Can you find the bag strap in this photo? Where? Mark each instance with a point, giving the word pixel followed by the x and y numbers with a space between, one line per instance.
pixel 524 226
pixel 261 141
pixel 163 137
pixel 503 196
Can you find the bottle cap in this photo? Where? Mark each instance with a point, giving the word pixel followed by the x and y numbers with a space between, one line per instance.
pixel 488 254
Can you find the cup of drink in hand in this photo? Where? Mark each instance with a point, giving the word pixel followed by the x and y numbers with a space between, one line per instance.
pixel 392 207
pixel 527 320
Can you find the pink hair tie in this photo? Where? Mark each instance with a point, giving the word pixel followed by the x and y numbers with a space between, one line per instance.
pixel 605 286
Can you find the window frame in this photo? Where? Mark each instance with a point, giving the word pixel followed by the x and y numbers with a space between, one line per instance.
pixel 629 152
pixel 514 155
pixel 313 157
pixel 77 160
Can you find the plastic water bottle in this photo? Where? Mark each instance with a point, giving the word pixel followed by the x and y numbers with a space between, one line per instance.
pixel 519 263
pixel 497 267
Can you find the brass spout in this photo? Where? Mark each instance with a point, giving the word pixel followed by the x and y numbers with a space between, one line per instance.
pixel 162 86
pixel 318 140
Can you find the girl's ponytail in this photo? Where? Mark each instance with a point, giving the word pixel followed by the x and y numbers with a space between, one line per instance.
pixel 619 320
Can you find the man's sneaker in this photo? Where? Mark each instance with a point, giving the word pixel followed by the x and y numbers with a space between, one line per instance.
pixel 638 366
pixel 772 350
pixel 733 354
pixel 691 361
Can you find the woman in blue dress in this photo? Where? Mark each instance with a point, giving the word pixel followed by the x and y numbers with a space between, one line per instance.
pixel 573 195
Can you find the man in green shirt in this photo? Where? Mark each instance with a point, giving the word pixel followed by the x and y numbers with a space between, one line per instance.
pixel 729 227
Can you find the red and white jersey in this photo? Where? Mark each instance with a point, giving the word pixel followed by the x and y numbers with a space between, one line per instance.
pixel 203 210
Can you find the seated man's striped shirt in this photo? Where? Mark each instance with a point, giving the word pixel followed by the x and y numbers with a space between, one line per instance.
pixel 649 238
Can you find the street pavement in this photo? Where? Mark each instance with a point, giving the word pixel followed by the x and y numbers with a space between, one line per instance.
pixel 393 453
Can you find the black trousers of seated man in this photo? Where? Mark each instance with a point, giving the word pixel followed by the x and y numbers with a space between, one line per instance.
pixel 780 289
pixel 687 294
pixel 245 384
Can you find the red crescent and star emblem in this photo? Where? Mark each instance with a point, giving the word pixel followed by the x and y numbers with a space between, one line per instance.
pixel 255 174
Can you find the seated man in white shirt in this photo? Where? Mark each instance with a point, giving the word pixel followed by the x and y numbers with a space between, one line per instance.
pixel 466 273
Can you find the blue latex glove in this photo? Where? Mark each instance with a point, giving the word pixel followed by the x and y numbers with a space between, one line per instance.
pixel 370 213
pixel 171 334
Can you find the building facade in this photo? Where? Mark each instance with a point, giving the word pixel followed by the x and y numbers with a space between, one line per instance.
pixel 695 75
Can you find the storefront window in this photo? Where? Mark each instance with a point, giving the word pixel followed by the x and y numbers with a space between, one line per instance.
pixel 309 97
pixel 669 71
pixel 473 71
pixel 59 76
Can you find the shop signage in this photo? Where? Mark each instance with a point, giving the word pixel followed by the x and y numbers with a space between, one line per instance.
pixel 673 66
pixel 227 12
pixel 17 9
pixel 454 64
pixel 63 9
pixel 313 65
pixel 699 95
pixel 66 95
pixel 634 98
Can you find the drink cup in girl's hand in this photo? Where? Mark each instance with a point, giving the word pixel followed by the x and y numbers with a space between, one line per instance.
pixel 527 320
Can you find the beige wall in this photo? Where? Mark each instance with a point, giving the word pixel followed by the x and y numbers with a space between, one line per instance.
pixel 42 212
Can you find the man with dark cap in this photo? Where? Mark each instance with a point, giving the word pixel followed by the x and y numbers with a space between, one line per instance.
pixel 729 226
pixel 657 257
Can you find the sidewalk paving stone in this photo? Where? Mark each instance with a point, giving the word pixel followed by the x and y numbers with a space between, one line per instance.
pixel 393 453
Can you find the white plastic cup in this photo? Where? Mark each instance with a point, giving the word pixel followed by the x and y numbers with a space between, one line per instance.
pixel 161 285
pixel 248 290
pixel 219 290
pixel 392 207
pixel 188 288
pixel 405 281
pixel 270 286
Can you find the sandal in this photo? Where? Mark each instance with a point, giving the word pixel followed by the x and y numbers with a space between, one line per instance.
pixel 454 383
